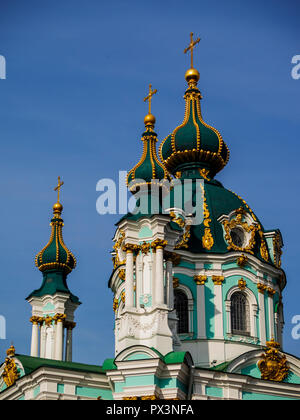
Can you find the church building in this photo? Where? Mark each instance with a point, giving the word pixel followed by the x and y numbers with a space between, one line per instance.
pixel 198 306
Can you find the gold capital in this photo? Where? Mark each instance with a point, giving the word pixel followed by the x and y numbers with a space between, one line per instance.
pixel 218 280
pixel 200 279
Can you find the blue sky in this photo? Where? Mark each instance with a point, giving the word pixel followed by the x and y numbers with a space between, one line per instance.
pixel 72 105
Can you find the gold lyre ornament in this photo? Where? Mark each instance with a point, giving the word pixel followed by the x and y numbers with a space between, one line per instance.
pixel 273 365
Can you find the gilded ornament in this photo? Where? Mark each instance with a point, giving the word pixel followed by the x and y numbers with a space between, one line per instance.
pixel 122 274
pixel 115 304
pixel 242 284
pixel 271 292
pixel 149 397
pixel 273 365
pixel 175 282
pixel 11 351
pixel 10 373
pixel 145 247
pixel 200 279
pixel 218 280
pixel 131 248
pixel 186 236
pixel 242 260
pixel 263 247
pixel 207 239
pixel 180 222
pixel 237 221
pixel 48 320
pixel 158 244
pixel 261 288
pixel 116 247
pixel 59 318
pixel 123 297
pixel 204 173
pixel 277 250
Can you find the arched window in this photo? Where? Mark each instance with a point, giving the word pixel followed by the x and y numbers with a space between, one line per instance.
pixel 181 307
pixel 240 323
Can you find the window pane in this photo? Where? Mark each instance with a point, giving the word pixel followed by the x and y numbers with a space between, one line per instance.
pixel 239 314
pixel 181 307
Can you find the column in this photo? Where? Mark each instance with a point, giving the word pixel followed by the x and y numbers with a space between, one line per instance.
pixel 262 315
pixel 69 341
pixel 138 279
pixel 42 340
pixel 219 329
pixel 34 352
pixel 169 277
pixel 59 335
pixel 129 248
pixel 201 319
pixel 158 245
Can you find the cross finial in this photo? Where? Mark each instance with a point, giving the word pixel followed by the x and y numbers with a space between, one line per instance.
pixel 191 47
pixel 60 184
pixel 149 97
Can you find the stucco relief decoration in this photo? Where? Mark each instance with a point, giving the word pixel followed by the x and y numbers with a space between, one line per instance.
pixel 273 365
pixel 238 222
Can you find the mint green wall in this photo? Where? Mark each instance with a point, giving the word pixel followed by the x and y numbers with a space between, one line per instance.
pixel 213 391
pixel 36 391
pixel 85 391
pixel 254 371
pixel 137 381
pixel 145 232
pixel 258 396
pixel 60 388
pixel 138 356
pixel 186 264
pixel 209 308
pixel 251 370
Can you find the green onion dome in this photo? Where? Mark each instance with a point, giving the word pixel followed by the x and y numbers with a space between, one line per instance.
pixel 194 144
pixel 55 255
pixel 149 167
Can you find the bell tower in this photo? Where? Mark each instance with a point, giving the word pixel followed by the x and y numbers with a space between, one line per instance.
pixel 142 280
pixel 53 305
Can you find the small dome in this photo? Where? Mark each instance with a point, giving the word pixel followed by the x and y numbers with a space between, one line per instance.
pixel 194 144
pixel 149 166
pixel 55 255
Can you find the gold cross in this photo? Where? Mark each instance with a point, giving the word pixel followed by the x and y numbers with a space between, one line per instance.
pixel 149 97
pixel 191 47
pixel 60 184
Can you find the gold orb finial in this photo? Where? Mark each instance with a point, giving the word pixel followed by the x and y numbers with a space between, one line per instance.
pixel 149 120
pixel 57 209
pixel 192 75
